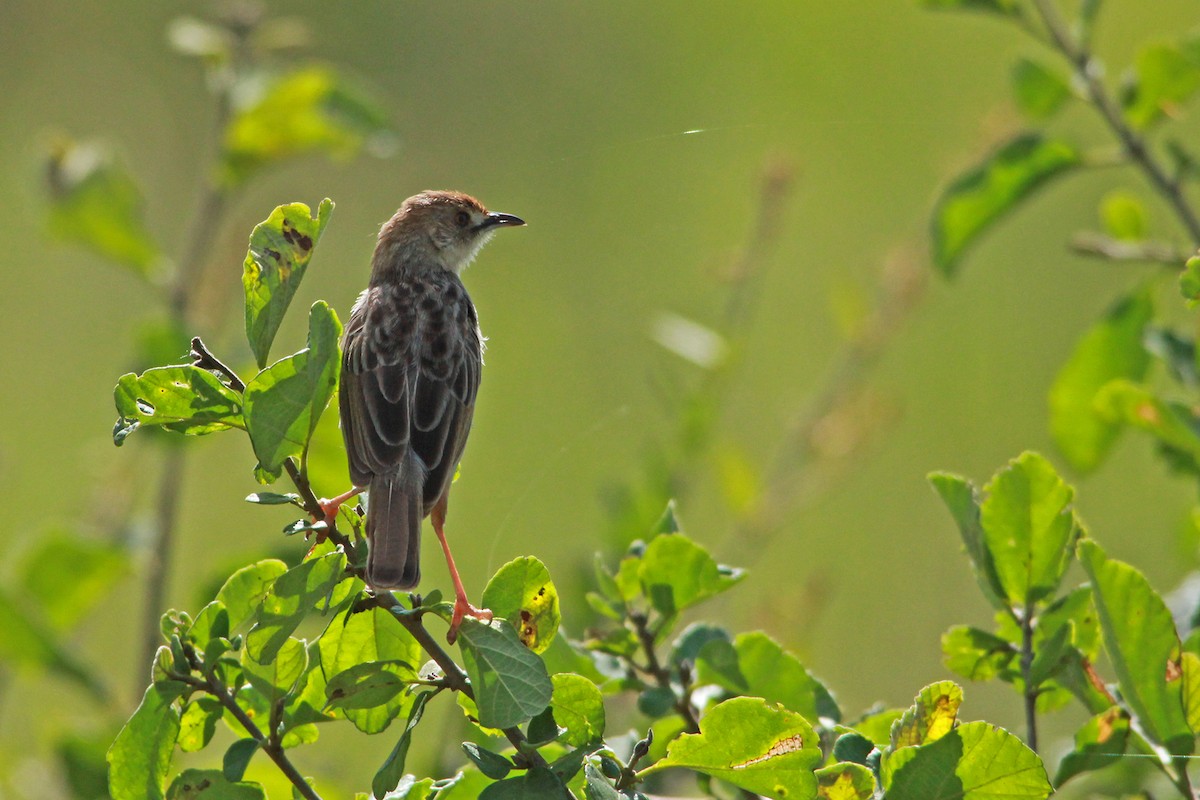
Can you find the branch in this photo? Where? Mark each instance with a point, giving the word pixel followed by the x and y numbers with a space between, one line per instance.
pixel 267 744
pixel 661 674
pixel 456 678
pixel 214 686
pixel 1135 146
pixel 1089 243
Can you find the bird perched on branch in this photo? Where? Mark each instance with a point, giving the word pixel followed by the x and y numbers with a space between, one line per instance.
pixel 411 360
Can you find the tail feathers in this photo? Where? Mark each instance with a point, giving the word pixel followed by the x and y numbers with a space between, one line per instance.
pixel 394 533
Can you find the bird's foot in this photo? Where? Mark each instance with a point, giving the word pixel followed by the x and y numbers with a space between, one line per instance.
pixel 330 507
pixel 462 610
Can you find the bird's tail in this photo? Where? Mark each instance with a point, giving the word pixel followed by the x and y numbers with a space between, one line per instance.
pixel 394 533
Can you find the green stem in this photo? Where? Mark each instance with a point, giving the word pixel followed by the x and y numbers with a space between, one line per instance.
pixel 1031 692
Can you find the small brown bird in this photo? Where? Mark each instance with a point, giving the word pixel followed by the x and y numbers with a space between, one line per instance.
pixel 411 360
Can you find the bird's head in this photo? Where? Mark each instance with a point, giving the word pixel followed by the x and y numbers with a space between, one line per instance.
pixel 448 227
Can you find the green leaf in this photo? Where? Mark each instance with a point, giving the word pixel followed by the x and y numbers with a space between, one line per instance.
pixel 976 654
pixel 245 589
pixel 657 701
pixel 212 622
pixel 510 682
pixel 276 678
pixel 691 642
pixel 933 714
pixel 1190 663
pixel 1100 742
pixel 677 573
pixel 237 758
pixel 280 249
pixel 1189 282
pixel 198 723
pixel 1029 526
pixel 494 765
pixel 369 636
pixel 1124 216
pixel 370 684
pixel 96 204
pixel 284 402
pixel 764 669
pixel 579 707
pixel 1051 655
pixel 291 597
pixel 140 756
pixel 988 191
pixel 877 725
pixel 845 782
pixel 538 783
pixel 852 746
pixel 1143 646
pixel 409 788
pixel 522 593
pixel 1007 8
pixel 597 787
pixel 307 703
pixel 390 776
pixel 962 499
pixel 210 784
pixel 754 745
pixel 308 110
pixel 1040 91
pixel 183 399
pixel 975 761
pixel 1164 78
pixel 1172 423
pixel 1110 350
pixel 64 596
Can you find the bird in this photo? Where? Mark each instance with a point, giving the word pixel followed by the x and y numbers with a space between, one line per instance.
pixel 412 355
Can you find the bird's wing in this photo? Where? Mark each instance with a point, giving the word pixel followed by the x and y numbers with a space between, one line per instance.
pixel 372 399
pixel 447 382
pixel 411 365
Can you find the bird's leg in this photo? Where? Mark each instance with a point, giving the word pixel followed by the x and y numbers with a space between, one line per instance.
pixel 462 606
pixel 330 507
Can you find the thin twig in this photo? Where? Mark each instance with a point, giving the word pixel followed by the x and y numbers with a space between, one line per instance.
pixel 214 686
pixel 661 674
pixel 456 679
pixel 1089 243
pixel 1135 146
pixel 267 744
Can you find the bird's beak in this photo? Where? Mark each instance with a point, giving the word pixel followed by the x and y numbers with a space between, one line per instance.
pixel 495 219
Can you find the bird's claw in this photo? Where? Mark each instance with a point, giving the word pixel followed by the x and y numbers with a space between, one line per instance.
pixel 462 610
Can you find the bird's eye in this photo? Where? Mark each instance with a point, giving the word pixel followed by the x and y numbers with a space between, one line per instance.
pixel 462 218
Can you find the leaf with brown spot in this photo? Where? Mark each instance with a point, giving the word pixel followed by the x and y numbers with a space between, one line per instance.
pixel 522 593
pixel 932 715
pixel 757 746
pixel 280 250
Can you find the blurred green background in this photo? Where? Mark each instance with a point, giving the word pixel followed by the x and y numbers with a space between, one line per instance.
pixel 579 117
